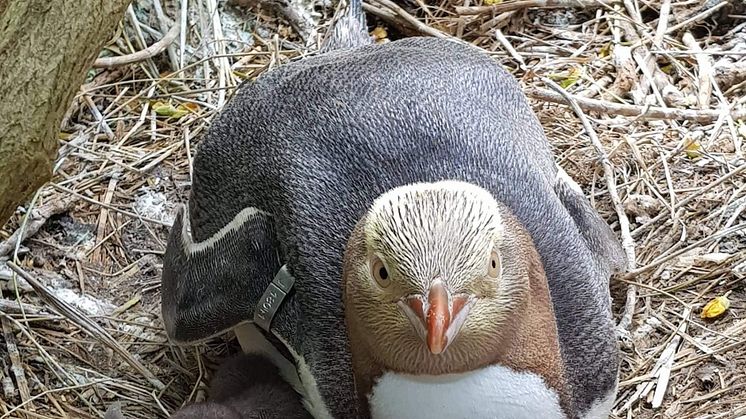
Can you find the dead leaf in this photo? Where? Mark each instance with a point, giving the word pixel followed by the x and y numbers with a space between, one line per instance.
pixel 693 149
pixel 715 308
pixel 638 205
pixel 380 35
pixel 697 258
pixel 492 2
pixel 566 80
pixel 168 109
pixel 605 51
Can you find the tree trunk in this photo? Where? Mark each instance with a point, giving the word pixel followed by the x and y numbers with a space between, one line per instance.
pixel 46 48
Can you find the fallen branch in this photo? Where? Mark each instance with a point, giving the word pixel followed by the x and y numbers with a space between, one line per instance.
pixel 652 77
pixel 697 18
pixel 661 260
pixel 298 19
pixel 142 55
pixel 642 112
pixel 16 363
pixel 37 219
pixel 733 173
pixel 667 359
pixel 109 207
pixel 523 4
pixel 15 307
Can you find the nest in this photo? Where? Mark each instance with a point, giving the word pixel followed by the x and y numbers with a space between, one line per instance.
pixel 653 133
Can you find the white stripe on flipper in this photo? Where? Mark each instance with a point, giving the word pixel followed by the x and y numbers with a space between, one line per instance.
pixel 313 401
pixel 563 177
pixel 191 248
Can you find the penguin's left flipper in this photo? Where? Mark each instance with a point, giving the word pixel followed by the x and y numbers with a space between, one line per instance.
pixel 601 240
pixel 211 286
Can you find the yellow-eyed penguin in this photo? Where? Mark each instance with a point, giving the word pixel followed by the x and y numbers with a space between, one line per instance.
pixel 312 149
pixel 450 313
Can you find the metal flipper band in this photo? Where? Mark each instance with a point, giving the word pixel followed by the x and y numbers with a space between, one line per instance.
pixel 273 297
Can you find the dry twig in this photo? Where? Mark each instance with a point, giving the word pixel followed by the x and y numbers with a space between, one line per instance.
pixel 524 4
pixel 37 219
pixel 142 55
pixel 640 112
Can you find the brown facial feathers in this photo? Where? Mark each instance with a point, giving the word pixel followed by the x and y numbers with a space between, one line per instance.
pixel 512 322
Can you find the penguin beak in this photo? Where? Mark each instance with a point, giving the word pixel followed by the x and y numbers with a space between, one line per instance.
pixel 438 316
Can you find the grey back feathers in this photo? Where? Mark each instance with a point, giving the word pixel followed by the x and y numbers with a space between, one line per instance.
pixel 314 142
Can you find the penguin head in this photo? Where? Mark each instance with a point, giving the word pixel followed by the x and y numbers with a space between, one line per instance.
pixel 432 276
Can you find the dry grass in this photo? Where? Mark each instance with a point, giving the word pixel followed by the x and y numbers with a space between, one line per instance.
pixel 94 236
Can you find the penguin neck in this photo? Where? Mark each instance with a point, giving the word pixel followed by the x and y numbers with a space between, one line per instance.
pixel 533 342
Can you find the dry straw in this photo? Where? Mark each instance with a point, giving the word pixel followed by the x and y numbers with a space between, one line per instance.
pixel 645 97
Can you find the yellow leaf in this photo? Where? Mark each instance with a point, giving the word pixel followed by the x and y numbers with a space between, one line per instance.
pixel 715 308
pixel 163 109
pixel 191 106
pixel 380 35
pixel 693 149
pixel 568 79
pixel 167 109
pixel 492 2
pixel 605 51
pixel 668 68
pixel 379 32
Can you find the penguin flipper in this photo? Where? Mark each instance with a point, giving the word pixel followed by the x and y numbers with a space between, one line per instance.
pixel 601 240
pixel 211 286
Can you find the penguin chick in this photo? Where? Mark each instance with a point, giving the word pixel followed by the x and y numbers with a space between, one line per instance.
pixel 248 386
pixel 252 385
pixel 440 278
pixel 207 410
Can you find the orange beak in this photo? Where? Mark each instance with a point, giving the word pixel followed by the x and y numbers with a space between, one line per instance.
pixel 439 318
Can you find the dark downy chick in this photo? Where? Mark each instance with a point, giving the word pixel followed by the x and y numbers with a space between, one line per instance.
pixel 251 384
pixel 245 386
pixel 207 410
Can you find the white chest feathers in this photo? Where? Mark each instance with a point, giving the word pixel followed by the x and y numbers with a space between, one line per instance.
pixel 494 392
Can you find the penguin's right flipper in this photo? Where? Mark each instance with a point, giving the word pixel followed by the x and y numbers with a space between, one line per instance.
pixel 601 240
pixel 211 286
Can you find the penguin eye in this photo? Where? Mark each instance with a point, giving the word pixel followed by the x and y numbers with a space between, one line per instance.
pixel 379 272
pixel 493 269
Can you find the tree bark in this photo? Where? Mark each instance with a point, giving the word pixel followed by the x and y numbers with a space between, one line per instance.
pixel 46 48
